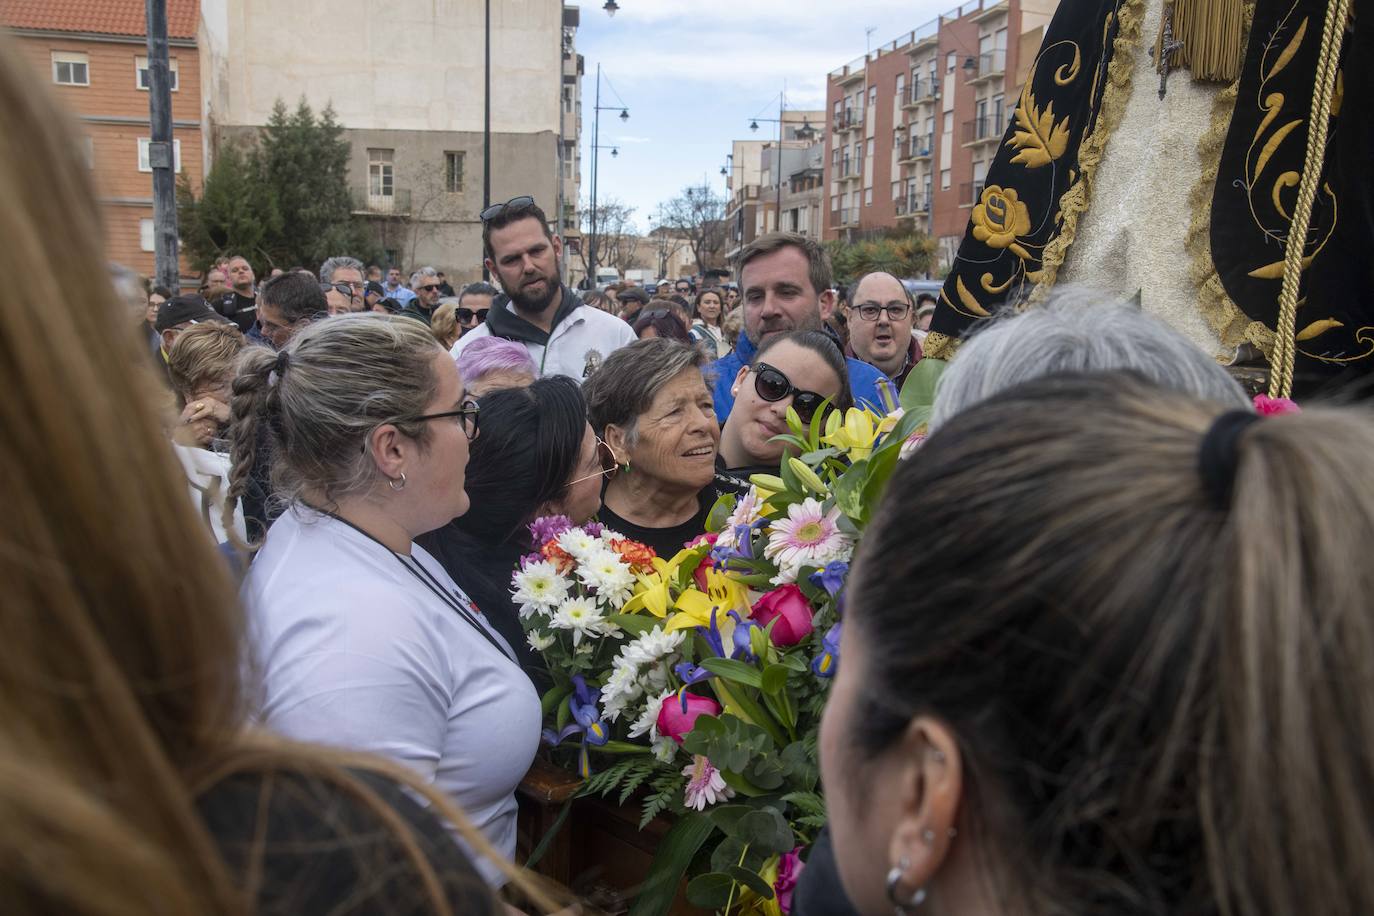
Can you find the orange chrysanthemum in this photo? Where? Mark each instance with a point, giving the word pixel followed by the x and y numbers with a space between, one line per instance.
pixel 639 556
pixel 558 556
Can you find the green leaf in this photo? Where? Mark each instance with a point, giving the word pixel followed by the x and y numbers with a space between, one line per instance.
pixel 720 512
pixel 552 698
pixel 752 880
pixel 622 747
pixel 732 853
pixel 726 817
pixel 849 490
pixel 794 661
pixel 675 853
pixel 774 679
pixel 919 388
pixel 733 670
pixel 710 891
pixel 800 764
pixel 634 624
pixel 815 458
pixel 741 785
pixel 767 829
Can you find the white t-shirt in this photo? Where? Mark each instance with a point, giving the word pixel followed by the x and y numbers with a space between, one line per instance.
pixel 355 651
pixel 585 331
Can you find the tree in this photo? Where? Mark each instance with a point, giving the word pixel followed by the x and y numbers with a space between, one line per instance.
pixel 616 236
pixel 280 201
pixel 666 243
pixel 910 255
pixel 698 215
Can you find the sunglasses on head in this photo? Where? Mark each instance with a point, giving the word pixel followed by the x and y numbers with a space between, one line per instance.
pixel 466 315
pixel 609 465
pixel 515 203
pixel 772 385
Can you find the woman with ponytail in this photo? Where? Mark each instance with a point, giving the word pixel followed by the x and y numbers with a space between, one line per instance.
pixel 131 779
pixel 1126 672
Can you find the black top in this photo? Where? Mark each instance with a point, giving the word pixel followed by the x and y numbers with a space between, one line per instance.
pixel 819 891
pixel 240 309
pixel 736 480
pixel 321 850
pixel 483 571
pixel 665 541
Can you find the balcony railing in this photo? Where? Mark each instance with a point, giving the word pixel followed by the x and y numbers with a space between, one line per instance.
pixel 980 130
pixel 990 65
pixel 849 119
pixel 851 168
pixel 920 146
pixel 913 204
pixel 970 192
pixel 397 203
pixel 925 90
pixel 844 217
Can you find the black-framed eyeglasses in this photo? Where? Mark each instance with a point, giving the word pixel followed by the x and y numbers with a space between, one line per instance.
pixel 343 289
pixel 466 315
pixel 469 412
pixel 515 203
pixel 609 465
pixel 772 385
pixel 896 311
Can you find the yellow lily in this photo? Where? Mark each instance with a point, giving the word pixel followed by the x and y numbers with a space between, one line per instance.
pixel 855 435
pixel 807 476
pixel 653 594
pixel 767 485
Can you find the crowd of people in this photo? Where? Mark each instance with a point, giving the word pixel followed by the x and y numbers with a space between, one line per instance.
pixel 1105 644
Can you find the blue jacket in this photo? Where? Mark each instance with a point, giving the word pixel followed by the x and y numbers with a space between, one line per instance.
pixel 871 388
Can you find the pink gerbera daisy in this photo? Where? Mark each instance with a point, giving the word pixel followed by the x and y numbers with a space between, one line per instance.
pixel 705 785
pixel 809 536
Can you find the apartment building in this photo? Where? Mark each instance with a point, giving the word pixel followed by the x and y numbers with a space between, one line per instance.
pixel 406 81
pixel 94 55
pixel 765 178
pixel 915 124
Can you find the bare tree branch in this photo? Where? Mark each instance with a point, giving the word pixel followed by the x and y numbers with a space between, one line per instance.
pixel 698 215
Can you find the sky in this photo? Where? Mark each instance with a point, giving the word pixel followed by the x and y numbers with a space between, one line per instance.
pixel 692 73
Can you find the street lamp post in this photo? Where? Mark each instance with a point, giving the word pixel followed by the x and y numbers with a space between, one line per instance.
pixel 596 149
pixel 805 132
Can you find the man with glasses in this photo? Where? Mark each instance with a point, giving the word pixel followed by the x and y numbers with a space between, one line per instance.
pixel 563 335
pixel 881 317
pixel 289 303
pixel 425 284
pixel 787 285
pixel 341 281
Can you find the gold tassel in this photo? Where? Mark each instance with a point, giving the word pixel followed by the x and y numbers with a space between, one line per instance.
pixel 1212 35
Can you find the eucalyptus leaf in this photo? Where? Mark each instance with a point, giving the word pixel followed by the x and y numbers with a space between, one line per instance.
pixel 752 880
pixel 710 891
pixel 767 829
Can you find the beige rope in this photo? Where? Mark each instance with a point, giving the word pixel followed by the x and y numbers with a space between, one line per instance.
pixel 1285 343
pixel 1212 33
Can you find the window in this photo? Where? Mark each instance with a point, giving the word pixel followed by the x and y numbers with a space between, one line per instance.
pixel 141 72
pixel 835 202
pixel 872 96
pixel 145 235
pixel 948 126
pixel 88 150
pixel 381 177
pixel 951 61
pixel 144 165
pixel 868 197
pixel 869 150
pixel 944 179
pixel 896 190
pixel 567 101
pixel 71 69
pixel 835 157
pixel 453 171
pixel 901 84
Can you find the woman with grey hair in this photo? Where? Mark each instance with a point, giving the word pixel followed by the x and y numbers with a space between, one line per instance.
pixel 362 640
pixel 1079 330
pixel 650 404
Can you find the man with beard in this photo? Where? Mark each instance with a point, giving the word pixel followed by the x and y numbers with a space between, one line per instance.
pixel 425 284
pixel 881 315
pixel 787 284
pixel 563 335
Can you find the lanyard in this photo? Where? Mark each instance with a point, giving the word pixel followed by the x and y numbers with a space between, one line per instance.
pixel 462 607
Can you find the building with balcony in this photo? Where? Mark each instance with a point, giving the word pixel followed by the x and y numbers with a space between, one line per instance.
pixel 412 106
pixel 919 120
pixel 765 179
pixel 94 57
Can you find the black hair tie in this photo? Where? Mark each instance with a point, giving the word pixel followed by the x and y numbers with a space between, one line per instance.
pixel 282 359
pixel 1219 455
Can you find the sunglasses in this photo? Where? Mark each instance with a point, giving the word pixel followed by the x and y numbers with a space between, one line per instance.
pixel 469 412
pixel 515 203
pixel 771 385
pixel 609 465
pixel 343 289
pixel 425 289
pixel 466 315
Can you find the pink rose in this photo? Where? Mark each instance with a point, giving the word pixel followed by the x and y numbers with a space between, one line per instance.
pixel 790 608
pixel 789 870
pixel 1266 406
pixel 678 715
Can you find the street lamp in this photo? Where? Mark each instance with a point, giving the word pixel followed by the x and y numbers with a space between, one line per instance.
pixel 596 149
pixel 804 133
pixel 611 7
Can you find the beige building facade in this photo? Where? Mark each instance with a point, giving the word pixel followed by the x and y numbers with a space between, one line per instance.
pixel 406 82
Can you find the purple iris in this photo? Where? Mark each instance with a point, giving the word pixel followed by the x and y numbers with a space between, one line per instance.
pixel 831 577
pixel 743 549
pixel 743 638
pixel 740 646
pixel 825 664
pixel 543 530
pixel 586 721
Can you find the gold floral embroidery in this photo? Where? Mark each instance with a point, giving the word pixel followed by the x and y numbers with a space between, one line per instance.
pixel 1000 217
pixel 1039 139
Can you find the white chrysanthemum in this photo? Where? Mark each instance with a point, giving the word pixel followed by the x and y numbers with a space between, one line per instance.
pixel 655 679
pixel 665 749
pixel 538 588
pixel 539 643
pixel 604 571
pixel 578 543
pixel 809 536
pixel 581 616
pixel 608 535
pixel 620 690
pixel 651 646
pixel 647 722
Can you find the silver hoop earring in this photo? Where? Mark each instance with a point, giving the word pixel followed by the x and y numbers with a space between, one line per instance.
pixel 894 876
pixel 398 486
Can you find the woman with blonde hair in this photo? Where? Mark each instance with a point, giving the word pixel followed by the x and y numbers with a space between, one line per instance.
pixel 130 781
pixel 444 323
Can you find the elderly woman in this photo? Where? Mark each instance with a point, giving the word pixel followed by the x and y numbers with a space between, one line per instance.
pixel 650 404
pixel 201 368
pixel 490 363
pixel 801 370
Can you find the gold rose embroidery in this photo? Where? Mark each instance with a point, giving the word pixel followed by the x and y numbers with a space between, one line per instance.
pixel 999 218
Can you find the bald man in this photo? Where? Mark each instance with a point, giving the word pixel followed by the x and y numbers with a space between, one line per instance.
pixel 881 317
